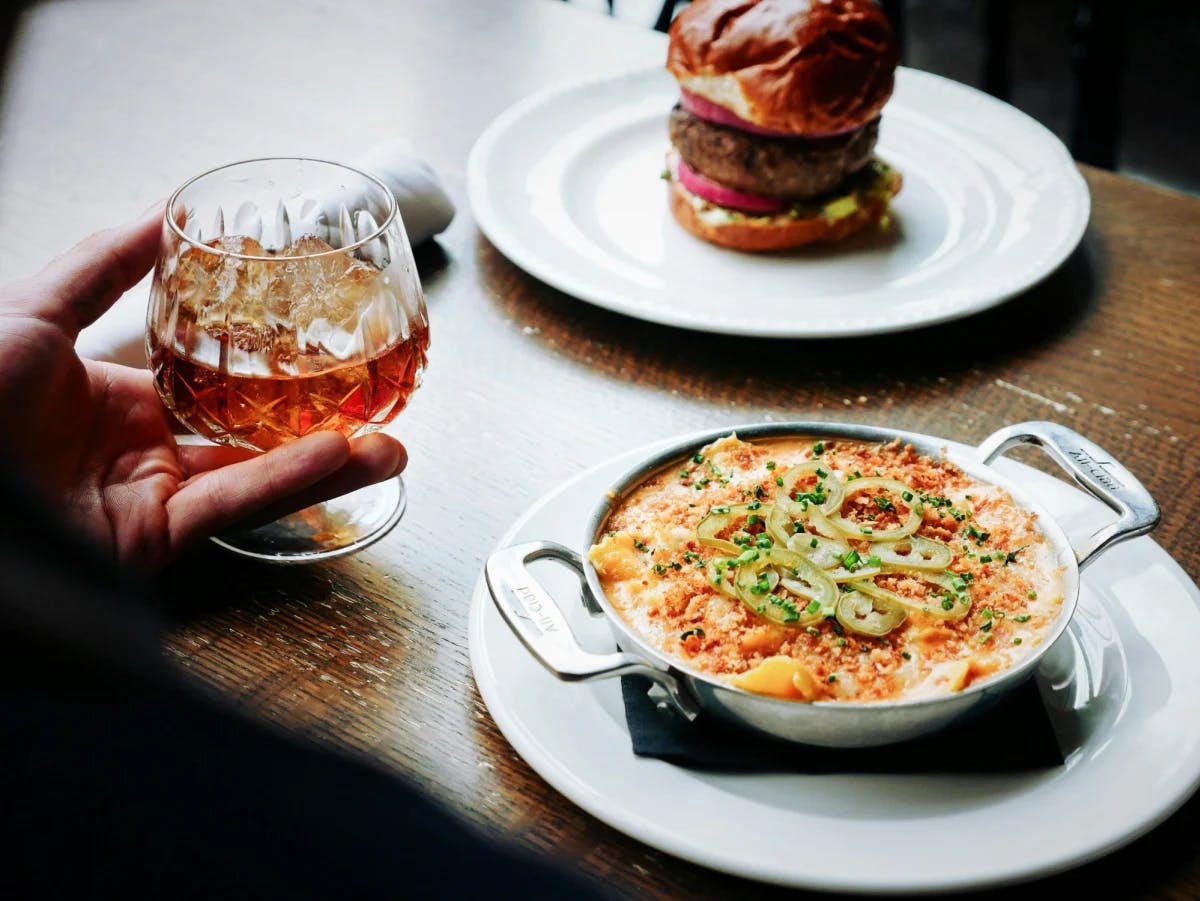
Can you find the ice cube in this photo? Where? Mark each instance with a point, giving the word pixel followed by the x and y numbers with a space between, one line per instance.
pixel 192 284
pixel 350 293
pixel 325 284
pixel 251 336
pixel 211 285
pixel 220 297
pixel 241 283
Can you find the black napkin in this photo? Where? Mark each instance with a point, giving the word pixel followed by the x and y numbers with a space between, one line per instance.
pixel 1010 735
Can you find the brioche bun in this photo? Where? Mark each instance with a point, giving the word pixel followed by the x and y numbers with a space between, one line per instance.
pixel 802 67
pixel 783 231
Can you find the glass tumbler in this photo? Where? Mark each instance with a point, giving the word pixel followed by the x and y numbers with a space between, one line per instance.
pixel 286 301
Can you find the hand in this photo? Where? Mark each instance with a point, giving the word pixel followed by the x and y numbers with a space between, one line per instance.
pixel 97 440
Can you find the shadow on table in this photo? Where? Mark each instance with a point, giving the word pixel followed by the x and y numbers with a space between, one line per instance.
pixel 1017 328
pixel 432 262
pixel 208 580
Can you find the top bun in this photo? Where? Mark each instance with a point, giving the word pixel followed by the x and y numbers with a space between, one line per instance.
pixel 805 67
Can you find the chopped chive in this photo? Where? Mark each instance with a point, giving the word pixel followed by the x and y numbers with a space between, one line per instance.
pixel 819 448
pixel 947 604
pixel 1022 618
pixel 832 677
pixel 813 607
pixel 980 537
pixel 1017 640
pixel 779 481
pixel 874 560
pixel 770 464
pixel 1011 556
pixel 1032 595
pixel 698 458
pixel 821 474
pixel 698 632
pixel 813 543
pixel 791 614
pixel 906 655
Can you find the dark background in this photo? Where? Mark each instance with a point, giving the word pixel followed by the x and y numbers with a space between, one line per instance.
pixel 1117 81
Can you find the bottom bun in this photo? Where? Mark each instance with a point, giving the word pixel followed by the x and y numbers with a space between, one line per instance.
pixel 864 202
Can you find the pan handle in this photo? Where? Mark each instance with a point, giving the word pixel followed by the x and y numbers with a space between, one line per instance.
pixel 539 622
pixel 1093 469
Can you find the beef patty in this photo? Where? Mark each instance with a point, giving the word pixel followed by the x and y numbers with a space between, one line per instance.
pixel 794 168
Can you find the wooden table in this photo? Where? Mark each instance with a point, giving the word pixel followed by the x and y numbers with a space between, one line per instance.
pixel 108 105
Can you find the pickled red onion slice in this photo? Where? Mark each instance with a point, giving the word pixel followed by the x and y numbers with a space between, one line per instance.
pixel 723 196
pixel 703 108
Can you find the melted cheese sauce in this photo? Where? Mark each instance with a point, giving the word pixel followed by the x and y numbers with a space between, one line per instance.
pixel 653 571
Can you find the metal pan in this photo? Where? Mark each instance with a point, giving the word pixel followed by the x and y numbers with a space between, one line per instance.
pixel 538 620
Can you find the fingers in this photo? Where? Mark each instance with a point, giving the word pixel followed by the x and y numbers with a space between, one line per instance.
pixel 228 488
pixel 373 458
pixel 195 459
pixel 75 289
pixel 221 497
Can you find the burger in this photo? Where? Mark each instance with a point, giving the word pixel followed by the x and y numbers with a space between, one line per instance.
pixel 774 134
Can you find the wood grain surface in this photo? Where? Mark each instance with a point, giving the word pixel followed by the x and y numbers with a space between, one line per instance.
pixel 527 386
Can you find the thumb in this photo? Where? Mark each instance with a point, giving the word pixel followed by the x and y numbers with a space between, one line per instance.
pixel 76 288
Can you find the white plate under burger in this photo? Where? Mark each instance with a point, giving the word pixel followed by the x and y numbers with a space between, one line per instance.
pixel 567 184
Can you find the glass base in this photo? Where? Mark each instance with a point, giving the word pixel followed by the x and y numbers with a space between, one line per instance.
pixel 323 531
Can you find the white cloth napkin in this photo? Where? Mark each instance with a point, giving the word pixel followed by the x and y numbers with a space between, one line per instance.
pixel 425 207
